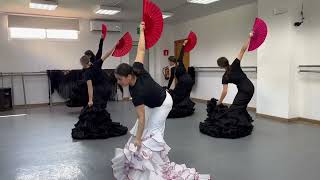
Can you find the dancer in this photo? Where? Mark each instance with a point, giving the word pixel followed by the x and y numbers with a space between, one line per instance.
pixel 145 156
pixel 233 122
pixel 182 104
pixel 94 120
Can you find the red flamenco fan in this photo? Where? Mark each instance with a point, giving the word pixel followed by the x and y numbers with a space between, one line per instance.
pixel 260 32
pixel 124 46
pixel 152 16
pixel 104 31
pixel 192 42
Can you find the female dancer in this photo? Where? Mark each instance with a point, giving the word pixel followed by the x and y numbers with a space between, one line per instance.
pixel 233 122
pixel 94 120
pixel 182 104
pixel 145 156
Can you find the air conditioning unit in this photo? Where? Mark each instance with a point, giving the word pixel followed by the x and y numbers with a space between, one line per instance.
pixel 112 26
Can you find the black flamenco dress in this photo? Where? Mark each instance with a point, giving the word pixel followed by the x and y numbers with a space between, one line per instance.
pixel 235 121
pixel 95 122
pixel 182 104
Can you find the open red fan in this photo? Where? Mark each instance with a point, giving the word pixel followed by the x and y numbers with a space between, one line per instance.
pixel 124 46
pixel 104 31
pixel 192 41
pixel 260 32
pixel 152 16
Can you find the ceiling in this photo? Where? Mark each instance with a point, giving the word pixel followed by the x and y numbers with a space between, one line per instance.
pixel 131 9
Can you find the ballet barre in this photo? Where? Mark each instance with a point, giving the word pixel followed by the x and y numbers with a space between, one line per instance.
pixel 309 68
pixel 218 69
pixel 23 75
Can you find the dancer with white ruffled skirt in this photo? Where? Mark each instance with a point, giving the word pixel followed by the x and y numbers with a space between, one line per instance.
pixel 145 156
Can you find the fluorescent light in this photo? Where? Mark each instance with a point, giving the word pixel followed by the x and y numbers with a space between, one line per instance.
pixel 13 115
pixel 202 1
pixel 27 33
pixel 166 15
pixel 107 10
pixel 44 5
pixel 62 34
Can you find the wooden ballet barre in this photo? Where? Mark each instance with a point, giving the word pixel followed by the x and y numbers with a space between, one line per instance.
pixel 312 71
pixel 309 66
pixel 304 68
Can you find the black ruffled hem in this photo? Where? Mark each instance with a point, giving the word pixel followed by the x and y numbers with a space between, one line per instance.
pixel 184 109
pixel 95 123
pixel 224 122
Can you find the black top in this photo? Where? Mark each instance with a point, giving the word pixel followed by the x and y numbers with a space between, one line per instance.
pixel 146 91
pixel 95 73
pixel 236 75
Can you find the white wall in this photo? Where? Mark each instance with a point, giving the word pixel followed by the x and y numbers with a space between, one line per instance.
pixel 274 62
pixel 40 55
pixel 220 34
pixel 282 91
pixel 307 41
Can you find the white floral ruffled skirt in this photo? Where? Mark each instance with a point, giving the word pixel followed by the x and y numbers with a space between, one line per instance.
pixel 151 162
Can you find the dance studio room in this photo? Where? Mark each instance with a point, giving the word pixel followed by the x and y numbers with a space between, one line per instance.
pixel 159 90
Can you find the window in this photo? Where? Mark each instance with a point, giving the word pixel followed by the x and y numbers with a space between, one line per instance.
pixel 32 33
pixel 62 34
pixel 27 33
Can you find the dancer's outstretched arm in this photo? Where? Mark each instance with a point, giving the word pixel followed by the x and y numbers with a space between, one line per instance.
pixel 90 93
pixel 245 47
pixel 180 58
pixel 141 123
pixel 223 93
pixel 142 45
pixel 99 52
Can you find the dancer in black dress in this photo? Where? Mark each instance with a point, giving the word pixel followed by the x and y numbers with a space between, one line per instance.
pixel 235 121
pixel 182 104
pixel 94 120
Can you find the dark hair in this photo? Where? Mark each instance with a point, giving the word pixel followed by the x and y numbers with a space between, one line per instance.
pixel 91 54
pixel 84 60
pixel 223 62
pixel 124 69
pixel 172 59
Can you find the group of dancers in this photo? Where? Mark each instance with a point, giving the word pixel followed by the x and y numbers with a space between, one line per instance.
pixel 145 155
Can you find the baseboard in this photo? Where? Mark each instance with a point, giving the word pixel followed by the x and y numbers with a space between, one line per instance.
pixel 306 121
pixel 205 102
pixel 38 105
pixel 199 100
pixel 290 120
pixel 274 118
pixel 126 99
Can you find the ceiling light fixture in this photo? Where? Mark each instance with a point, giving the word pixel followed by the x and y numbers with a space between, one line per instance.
pixel 105 10
pixel 202 1
pixel 43 4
